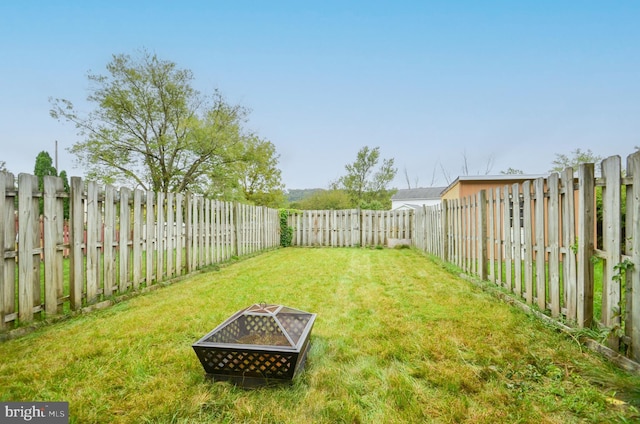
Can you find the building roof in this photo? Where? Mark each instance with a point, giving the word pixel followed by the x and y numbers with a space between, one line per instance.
pixel 492 178
pixel 424 193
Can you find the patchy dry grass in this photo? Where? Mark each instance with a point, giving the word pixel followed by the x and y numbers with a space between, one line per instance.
pixel 397 339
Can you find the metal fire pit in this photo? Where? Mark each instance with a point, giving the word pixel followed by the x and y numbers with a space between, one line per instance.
pixel 258 345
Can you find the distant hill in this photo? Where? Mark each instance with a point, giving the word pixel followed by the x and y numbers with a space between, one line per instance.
pixel 295 195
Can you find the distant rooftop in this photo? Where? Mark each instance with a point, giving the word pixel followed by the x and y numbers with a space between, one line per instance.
pixel 418 193
pixel 501 177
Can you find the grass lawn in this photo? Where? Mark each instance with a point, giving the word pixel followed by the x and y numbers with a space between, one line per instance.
pixel 398 339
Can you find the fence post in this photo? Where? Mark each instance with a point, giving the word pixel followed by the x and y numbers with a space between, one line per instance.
pixel 92 241
pixel 569 280
pixel 554 240
pixel 7 244
pixel 76 241
pixel 108 251
pixel 528 242
pixel 138 224
pixel 28 241
pixel 238 231
pixel 540 243
pixel 444 223
pixel 125 224
pixel 611 226
pixel 149 236
pixel 482 235
pixel 586 225
pixel 53 236
pixel 633 290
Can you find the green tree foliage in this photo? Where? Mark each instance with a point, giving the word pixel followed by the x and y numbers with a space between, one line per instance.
pixel 332 199
pixel 573 160
pixel 259 175
pixel 3 166
pixel 151 128
pixel 365 184
pixel 254 178
pixel 43 167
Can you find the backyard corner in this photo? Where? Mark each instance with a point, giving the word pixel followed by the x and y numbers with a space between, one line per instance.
pixel 398 338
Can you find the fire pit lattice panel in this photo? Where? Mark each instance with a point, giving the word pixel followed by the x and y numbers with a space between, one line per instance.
pixel 258 344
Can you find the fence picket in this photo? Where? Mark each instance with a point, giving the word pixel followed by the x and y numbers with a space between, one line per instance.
pixel 633 289
pixel 8 245
pixel 586 222
pixel 28 245
pixel 528 228
pixel 541 274
pixel 108 247
pixel 611 230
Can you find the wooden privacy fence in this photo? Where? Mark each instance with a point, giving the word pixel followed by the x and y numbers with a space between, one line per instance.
pixel 349 228
pixel 118 240
pixel 554 245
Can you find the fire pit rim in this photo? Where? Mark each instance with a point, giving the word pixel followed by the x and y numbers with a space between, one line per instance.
pixel 293 348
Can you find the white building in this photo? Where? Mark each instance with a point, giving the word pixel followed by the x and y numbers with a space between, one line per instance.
pixel 413 198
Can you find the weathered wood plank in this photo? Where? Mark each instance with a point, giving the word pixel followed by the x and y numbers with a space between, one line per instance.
pixel 201 233
pixel 149 236
pixel 8 245
pixel 508 245
pixel 528 228
pixel 179 233
pixel 569 243
pixel 170 235
pixel 491 227
pixel 554 240
pixel 108 253
pixel 160 236
pixel 499 236
pixel 123 246
pixel 93 227
pixel 541 278
pixel 611 227
pixel 28 242
pixel 53 238
pixel 76 245
pixel 516 230
pixel 137 242
pixel 586 222
pixel 633 288
pixel 482 235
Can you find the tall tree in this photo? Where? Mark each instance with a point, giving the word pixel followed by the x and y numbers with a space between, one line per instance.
pixel 366 185
pixel 254 177
pixel 3 166
pixel 43 167
pixel 150 127
pixel 573 160
pixel 259 175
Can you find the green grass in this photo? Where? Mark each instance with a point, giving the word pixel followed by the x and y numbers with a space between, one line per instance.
pixel 398 339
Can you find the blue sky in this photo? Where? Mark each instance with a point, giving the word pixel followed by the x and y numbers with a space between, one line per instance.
pixel 502 83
